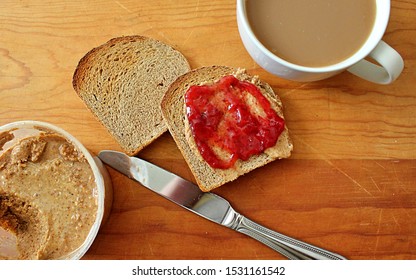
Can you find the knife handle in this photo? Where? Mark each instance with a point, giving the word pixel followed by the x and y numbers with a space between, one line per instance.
pixel 289 247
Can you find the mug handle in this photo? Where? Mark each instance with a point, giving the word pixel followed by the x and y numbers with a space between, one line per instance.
pixel 391 65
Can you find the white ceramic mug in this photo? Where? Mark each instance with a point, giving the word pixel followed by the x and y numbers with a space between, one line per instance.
pixel 390 62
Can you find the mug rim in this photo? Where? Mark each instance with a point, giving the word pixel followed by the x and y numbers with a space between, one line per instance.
pixel 376 34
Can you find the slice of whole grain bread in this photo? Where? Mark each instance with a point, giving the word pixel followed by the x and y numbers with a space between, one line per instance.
pixel 174 113
pixel 122 82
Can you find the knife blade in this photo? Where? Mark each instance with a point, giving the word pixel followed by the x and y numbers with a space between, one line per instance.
pixel 209 205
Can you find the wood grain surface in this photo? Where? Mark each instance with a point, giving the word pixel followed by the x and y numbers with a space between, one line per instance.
pixel 349 187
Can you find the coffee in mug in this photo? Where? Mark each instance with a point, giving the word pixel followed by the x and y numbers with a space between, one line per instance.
pixel 310 40
pixel 312 33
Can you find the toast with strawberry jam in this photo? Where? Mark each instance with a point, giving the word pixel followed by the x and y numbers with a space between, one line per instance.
pixel 225 122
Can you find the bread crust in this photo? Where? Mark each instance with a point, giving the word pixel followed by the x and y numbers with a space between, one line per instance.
pixel 122 83
pixel 174 113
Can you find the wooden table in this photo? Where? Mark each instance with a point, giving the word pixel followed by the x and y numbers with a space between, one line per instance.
pixel 350 185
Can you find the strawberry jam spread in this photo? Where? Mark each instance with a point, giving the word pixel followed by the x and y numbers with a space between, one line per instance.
pixel 231 120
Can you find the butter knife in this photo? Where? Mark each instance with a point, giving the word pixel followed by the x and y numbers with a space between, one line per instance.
pixel 209 206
